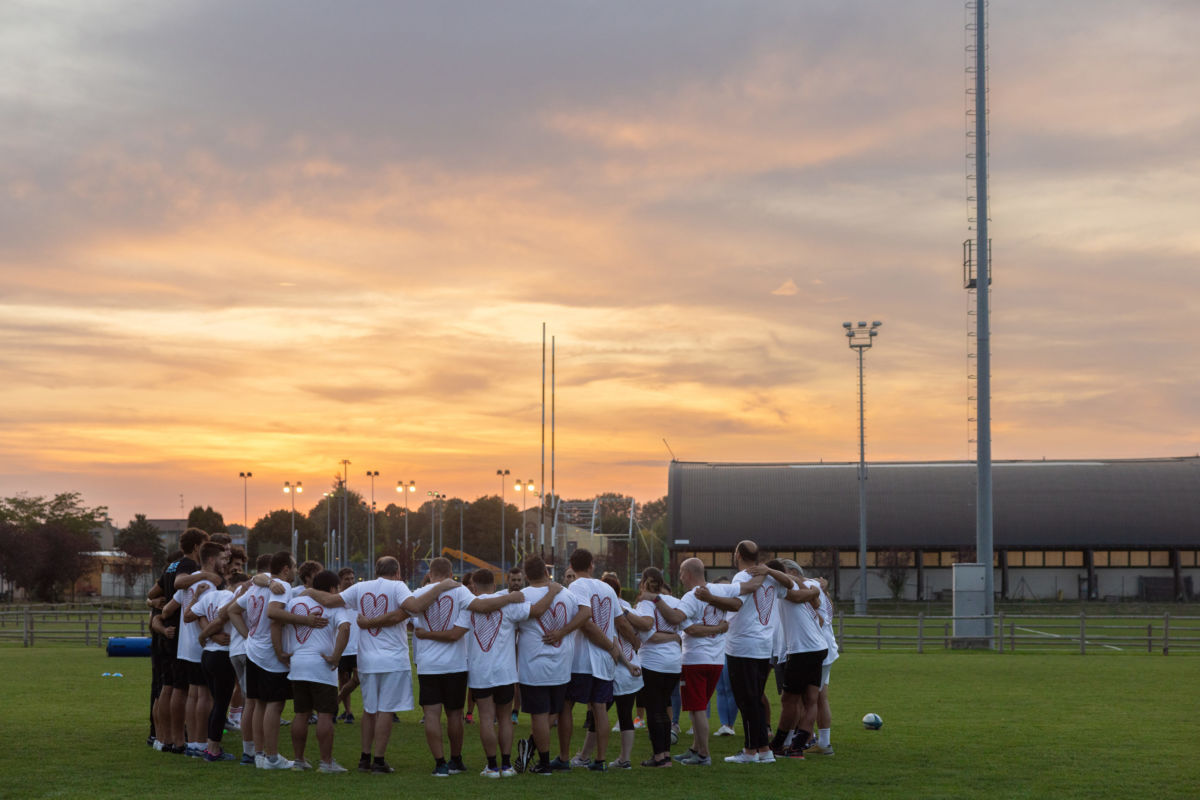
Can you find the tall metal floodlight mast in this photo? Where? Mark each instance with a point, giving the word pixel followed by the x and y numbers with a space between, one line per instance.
pixel 860 339
pixel 982 284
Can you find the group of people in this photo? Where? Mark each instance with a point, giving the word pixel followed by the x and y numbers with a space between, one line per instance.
pixel 230 650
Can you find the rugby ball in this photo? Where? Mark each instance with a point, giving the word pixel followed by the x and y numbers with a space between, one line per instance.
pixel 872 722
pixel 674 736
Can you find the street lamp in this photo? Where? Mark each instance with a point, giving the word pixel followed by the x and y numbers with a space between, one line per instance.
pixel 292 491
pixel 503 473
pixel 245 476
pixel 405 489
pixel 860 337
pixel 525 489
pixel 372 474
pixel 435 521
pixel 328 527
pixel 462 511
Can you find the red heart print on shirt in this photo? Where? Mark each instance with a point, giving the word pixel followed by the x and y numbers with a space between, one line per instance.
pixel 254 609
pixel 437 616
pixel 713 615
pixel 372 606
pixel 304 631
pixel 487 628
pixel 764 604
pixel 601 612
pixel 553 619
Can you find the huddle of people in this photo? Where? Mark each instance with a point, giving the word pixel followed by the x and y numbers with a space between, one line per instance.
pixel 230 651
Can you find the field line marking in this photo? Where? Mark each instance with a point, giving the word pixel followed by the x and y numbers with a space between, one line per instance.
pixel 1059 636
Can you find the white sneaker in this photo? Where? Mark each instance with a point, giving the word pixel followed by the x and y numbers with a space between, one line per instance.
pixel 491 772
pixel 691 732
pixel 276 762
pixel 508 772
pixel 260 761
pixel 822 749
pixel 724 730
pixel 580 762
pixel 301 764
pixel 331 767
pixel 766 757
pixel 616 728
pixel 742 758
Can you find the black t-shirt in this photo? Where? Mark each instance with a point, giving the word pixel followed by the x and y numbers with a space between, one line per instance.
pixel 184 566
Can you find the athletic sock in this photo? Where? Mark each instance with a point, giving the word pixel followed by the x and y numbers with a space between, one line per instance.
pixel 491 762
pixel 505 761
pixel 378 759
pixel 777 741
pixel 802 738
pixel 248 749
pixel 823 737
pixel 544 757
pixel 441 762
pixel 365 757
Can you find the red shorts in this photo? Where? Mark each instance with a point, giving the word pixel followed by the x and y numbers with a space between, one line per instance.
pixel 698 684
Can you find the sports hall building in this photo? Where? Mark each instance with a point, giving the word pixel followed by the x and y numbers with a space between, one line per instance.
pixel 1061 529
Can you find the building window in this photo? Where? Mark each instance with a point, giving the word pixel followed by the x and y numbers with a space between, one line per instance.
pixel 706 558
pixel 1160 558
pixel 804 558
pixel 1139 558
pixel 1073 558
pixel 1099 558
pixel 929 558
pixel 722 558
pixel 1054 558
pixel 1187 558
pixel 847 558
pixel 1033 558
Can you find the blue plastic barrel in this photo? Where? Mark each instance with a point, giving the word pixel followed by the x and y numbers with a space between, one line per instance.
pixel 129 646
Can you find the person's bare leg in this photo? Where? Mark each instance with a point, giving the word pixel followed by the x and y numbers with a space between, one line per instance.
pixel 249 723
pixel 178 716
pixel 272 712
pixel 700 728
pixel 565 722
pixel 204 703
pixel 299 735
pixel 454 731
pixel 487 730
pixel 189 713
pixel 600 726
pixel 162 716
pixel 368 733
pixel 433 730
pixel 627 738
pixel 824 715
pixel 325 736
pixel 585 749
pixel 503 715
pixel 540 726
pixel 383 731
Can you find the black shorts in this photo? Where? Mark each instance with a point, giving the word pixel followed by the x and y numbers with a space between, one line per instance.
pixel 166 668
pixel 542 699
pixel 501 695
pixel 179 674
pixel 195 674
pixel 348 663
pixel 448 690
pixel 318 697
pixel 266 686
pixel 803 669
pixel 585 688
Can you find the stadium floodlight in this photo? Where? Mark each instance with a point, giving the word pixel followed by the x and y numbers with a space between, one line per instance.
pixel 860 339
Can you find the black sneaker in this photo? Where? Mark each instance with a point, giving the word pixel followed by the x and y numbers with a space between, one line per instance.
pixel 381 768
pixel 522 758
pixel 597 766
pixel 456 766
pixel 558 765
pixel 540 769
pixel 364 764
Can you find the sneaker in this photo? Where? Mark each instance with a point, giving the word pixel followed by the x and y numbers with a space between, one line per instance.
pixel 742 757
pixel 469 719
pixel 232 724
pixel 686 756
pixel 597 766
pixel 491 772
pixel 312 719
pixel 697 760
pixel 558 765
pixel 619 764
pixel 217 756
pixel 456 766
pixel 247 760
pixel 823 749
pixel 348 717
pixel 580 761
pixel 508 772
pixel 331 767
pixel 194 752
pixel 158 745
pixel 441 771
pixel 396 718
pixel 150 740
pixel 793 752
pixel 769 757
pixel 364 764
pixel 301 764
pixel 616 728
pixel 381 768
pixel 260 761
pixel 515 716
pixel 285 722
pixel 724 730
pixel 524 752
pixel 276 762
pixel 540 769
pixel 691 732
pixel 638 724
pixel 657 762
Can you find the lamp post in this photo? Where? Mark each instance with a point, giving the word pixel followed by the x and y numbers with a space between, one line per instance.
pixel 245 476
pixel 462 512
pixel 525 489
pixel 435 520
pixel 328 527
pixel 293 490
pixel 372 474
pixel 405 489
pixel 503 473
pixel 860 337
pixel 345 549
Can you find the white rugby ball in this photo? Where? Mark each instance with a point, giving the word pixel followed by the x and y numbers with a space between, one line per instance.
pixel 674 736
pixel 872 722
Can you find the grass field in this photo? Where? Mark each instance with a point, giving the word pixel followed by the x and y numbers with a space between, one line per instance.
pixel 956 725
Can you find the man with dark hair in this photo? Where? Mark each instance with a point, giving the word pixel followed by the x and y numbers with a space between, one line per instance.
pixel 315 653
pixel 307 570
pixel 237 559
pixel 748 646
pixel 214 637
pixel 190 651
pixel 516 579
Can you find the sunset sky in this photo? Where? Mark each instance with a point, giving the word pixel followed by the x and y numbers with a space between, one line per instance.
pixel 268 236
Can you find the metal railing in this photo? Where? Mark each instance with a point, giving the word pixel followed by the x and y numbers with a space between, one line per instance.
pixel 1025 632
pixel 86 626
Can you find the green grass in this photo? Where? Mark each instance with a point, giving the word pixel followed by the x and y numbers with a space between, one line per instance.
pixel 957 724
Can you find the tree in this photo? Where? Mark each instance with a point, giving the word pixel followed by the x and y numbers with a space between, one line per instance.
pixel 893 564
pixel 273 533
pixel 141 541
pixel 206 520
pixel 44 542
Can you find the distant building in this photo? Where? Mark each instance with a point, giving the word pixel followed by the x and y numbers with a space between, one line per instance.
pixel 169 531
pixel 1069 529
pixel 112 573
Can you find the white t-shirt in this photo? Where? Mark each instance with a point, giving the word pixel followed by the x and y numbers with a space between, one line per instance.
pixel 701 649
pixel 750 633
pixel 189 632
pixel 492 644
pixel 308 645
pixel 606 607
pixel 379 649
pixel 538 663
pixel 237 642
pixel 208 608
pixel 802 624
pixel 441 658
pixel 624 681
pixel 662 656
pixel 779 640
pixel 258 645
pixel 352 645
pixel 826 612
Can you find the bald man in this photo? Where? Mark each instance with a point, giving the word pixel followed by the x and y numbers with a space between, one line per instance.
pixel 703 631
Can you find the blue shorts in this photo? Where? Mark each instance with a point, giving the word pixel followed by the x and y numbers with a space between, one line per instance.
pixel 585 688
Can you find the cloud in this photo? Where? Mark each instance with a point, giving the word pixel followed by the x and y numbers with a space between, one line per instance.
pixel 787 289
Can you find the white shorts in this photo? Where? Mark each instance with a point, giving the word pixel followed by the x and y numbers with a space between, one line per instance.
pixel 386 691
pixel 825 675
pixel 239 670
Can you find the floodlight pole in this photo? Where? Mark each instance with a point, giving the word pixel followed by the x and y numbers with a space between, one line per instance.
pixel 860 339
